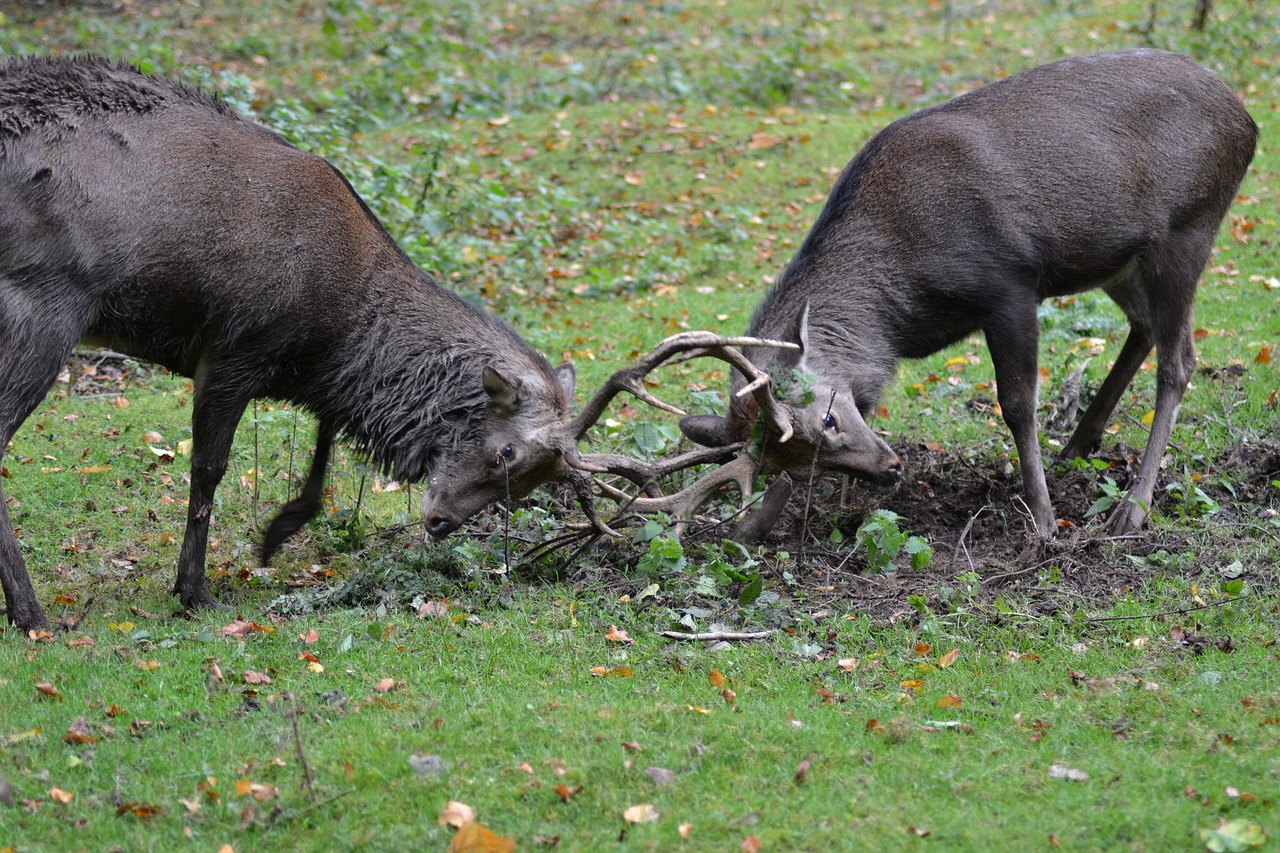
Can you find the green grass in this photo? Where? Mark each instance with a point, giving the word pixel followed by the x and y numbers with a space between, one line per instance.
pixel 602 174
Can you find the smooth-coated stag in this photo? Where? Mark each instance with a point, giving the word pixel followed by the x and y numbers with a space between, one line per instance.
pixel 1111 171
pixel 147 216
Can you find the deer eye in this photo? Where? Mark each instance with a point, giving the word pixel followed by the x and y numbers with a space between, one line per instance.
pixel 829 422
pixel 507 453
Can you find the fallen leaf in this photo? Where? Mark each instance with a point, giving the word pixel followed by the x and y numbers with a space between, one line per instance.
pixel 310 637
pixel 565 792
pixel 428 765
pixel 643 813
pixel 950 700
pixel 385 685
pixel 257 790
pixel 617 635
pixel 58 795
pixel 472 837
pixel 949 658
pixel 660 776
pixel 802 769
pixel 78 732
pixel 252 677
pixel 456 814
pixel 922 649
pixel 1233 836
pixel 750 844
pixel 716 678
pixel 1061 771
pixel 847 664
pixel 143 811
pixel 46 689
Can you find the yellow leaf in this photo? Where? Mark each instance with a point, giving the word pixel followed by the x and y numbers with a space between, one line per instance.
pixel 643 813
pixel 472 837
pixel 958 360
pixel 697 709
pixel 949 658
pixel 456 814
pixel 61 796
pixel 1148 418
pixel 913 684
pixel 716 678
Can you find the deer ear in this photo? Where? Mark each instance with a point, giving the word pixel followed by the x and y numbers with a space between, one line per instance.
pixel 707 430
pixel 504 397
pixel 568 379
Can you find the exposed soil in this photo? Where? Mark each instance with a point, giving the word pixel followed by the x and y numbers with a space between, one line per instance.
pixel 968 509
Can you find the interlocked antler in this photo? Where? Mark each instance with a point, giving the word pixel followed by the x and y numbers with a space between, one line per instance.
pixel 740 471
pixel 690 345
pixel 647 475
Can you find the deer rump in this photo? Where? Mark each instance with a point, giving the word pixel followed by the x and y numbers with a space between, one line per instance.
pixel 1110 171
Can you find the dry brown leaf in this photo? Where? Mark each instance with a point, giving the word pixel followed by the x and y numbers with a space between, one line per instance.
pixel 949 658
pixel 385 685
pixel 716 678
pixel 252 677
pixel 685 830
pixel 750 844
pixel 472 837
pixel 46 688
pixel 617 635
pixel 257 790
pixel 310 637
pixel 566 792
pixel 456 814
pixel 78 732
pixel 950 701
pixel 643 813
pixel 59 795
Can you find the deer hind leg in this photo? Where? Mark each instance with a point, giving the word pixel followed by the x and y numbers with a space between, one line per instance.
pixel 31 355
pixel 222 392
pixel 304 507
pixel 1169 277
pixel 1013 339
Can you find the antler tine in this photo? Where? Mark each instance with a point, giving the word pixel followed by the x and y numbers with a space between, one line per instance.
pixel 581 483
pixel 647 475
pixel 631 378
pixel 740 471
pixel 776 413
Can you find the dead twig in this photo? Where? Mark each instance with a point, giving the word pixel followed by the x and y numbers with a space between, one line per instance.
pixel 717 635
pixel 1168 612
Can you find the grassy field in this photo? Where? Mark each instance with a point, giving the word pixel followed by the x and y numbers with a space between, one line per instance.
pixel 602 174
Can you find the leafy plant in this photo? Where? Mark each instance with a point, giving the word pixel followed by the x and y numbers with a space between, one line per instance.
pixel 880 539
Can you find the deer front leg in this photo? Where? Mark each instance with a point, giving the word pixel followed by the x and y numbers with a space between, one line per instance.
pixel 1013 341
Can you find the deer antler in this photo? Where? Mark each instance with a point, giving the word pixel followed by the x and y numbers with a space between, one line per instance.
pixel 740 471
pixel 691 345
pixel 647 475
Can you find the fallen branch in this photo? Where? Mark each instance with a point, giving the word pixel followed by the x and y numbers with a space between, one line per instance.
pixel 717 635
pixel 1168 612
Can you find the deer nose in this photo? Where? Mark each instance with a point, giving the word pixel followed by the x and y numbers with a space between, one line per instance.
pixel 893 470
pixel 439 526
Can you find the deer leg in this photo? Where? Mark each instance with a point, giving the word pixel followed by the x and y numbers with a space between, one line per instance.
pixel 221 395
pixel 1089 431
pixel 1013 339
pixel 29 364
pixel 1170 293
pixel 304 507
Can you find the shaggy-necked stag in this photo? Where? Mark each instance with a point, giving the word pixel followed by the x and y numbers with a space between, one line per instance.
pixel 146 215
